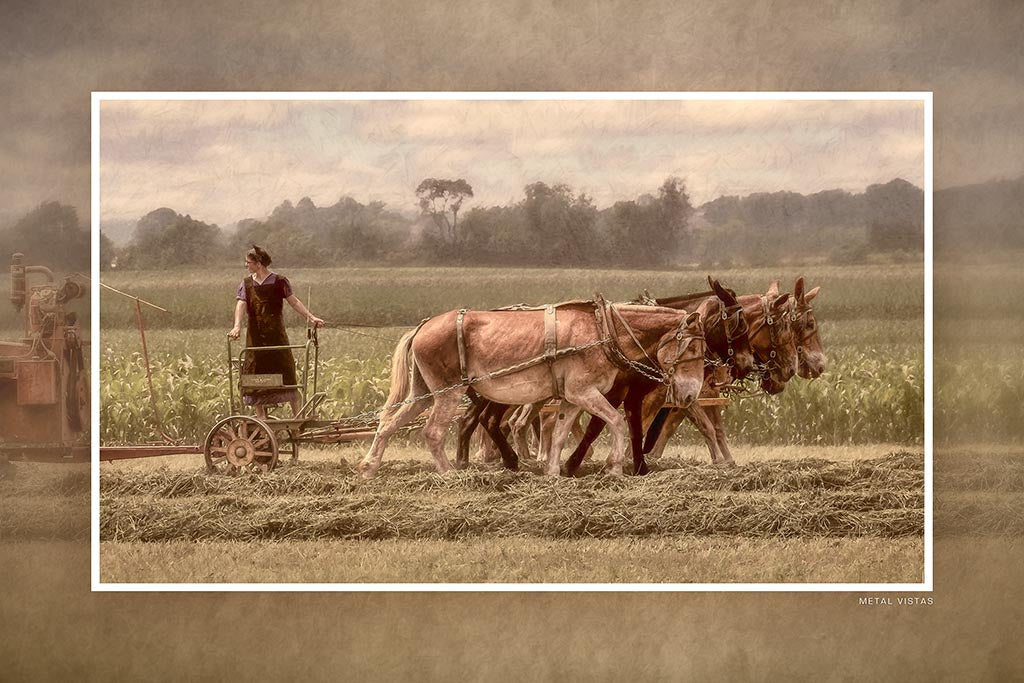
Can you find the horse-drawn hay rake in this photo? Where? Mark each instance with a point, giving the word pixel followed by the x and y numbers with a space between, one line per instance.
pixel 242 442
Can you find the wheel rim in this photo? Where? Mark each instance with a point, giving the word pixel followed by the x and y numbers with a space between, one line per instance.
pixel 240 444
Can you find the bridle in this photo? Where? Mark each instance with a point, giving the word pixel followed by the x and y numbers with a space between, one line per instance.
pixel 804 312
pixel 735 326
pixel 776 333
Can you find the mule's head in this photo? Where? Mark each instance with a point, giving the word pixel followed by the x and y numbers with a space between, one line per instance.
pixel 727 329
pixel 681 357
pixel 810 353
pixel 772 338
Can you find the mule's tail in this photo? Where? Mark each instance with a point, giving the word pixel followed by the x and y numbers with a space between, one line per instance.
pixel 403 371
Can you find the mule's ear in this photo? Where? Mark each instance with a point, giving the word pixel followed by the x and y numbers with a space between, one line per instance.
pixel 798 289
pixel 725 295
pixel 781 300
pixel 773 289
pixel 811 294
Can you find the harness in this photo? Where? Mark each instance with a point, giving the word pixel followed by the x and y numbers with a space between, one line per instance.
pixel 739 326
pixel 550 354
pixel 605 315
pixel 727 314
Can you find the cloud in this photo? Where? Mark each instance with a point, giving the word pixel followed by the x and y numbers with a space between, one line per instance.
pixel 228 160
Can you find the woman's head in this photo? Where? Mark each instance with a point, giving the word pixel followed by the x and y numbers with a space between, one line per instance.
pixel 257 256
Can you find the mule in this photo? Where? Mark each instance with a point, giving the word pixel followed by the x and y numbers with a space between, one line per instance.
pixel 811 364
pixel 496 353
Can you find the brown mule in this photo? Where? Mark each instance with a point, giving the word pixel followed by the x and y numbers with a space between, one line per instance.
pixel 506 356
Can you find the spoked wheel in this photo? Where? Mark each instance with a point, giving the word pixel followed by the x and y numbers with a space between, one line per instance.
pixel 240 444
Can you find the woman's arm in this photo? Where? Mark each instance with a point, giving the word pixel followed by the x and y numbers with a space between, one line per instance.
pixel 236 331
pixel 294 302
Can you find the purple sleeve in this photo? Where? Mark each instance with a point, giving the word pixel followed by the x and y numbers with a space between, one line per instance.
pixel 286 287
pixel 241 292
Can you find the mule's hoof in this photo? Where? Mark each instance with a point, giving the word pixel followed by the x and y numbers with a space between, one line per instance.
pixel 366 471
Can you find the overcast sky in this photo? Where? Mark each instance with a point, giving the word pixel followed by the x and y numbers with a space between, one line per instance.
pixel 222 161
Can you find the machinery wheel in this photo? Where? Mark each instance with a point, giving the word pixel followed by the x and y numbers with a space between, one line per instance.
pixel 240 444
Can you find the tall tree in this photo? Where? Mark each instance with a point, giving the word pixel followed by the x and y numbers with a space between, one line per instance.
pixel 439 197
pixel 652 231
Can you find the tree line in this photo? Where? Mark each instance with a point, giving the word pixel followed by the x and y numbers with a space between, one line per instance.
pixel 551 224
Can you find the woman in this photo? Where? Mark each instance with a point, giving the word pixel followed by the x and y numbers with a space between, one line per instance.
pixel 261 296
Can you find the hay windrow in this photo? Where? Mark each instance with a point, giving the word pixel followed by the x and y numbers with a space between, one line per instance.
pixel 542 511
pixel 670 477
pixel 409 500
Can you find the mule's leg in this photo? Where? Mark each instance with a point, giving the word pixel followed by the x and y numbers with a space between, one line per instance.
pixel 517 428
pixel 654 430
pixel 445 407
pixel 492 423
pixel 562 425
pixel 545 428
pixel 390 422
pixel 594 428
pixel 467 427
pixel 634 418
pixel 715 413
pixel 596 404
pixel 486 451
pixel 672 422
pixel 520 423
pixel 702 421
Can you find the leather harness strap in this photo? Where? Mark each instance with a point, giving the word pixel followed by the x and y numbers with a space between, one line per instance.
pixel 461 339
pixel 551 345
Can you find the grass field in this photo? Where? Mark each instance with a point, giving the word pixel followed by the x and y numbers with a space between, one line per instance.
pixel 403 296
pixel 871 317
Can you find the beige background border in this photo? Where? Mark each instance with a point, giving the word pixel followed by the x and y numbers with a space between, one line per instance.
pixel 969 54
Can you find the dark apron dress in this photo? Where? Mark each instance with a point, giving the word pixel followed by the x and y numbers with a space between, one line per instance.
pixel 264 304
